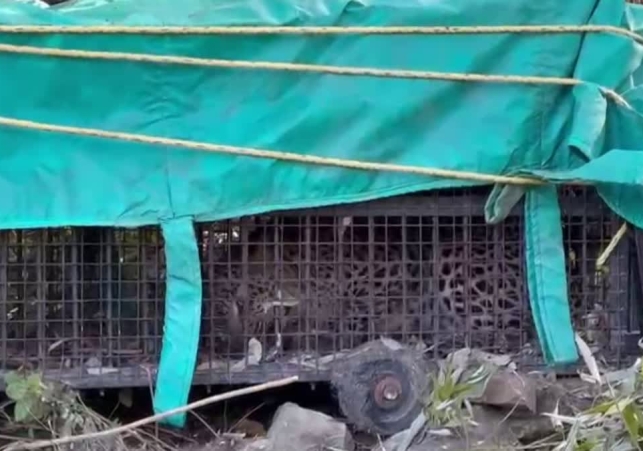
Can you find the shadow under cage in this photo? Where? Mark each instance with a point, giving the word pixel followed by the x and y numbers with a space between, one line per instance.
pixel 290 292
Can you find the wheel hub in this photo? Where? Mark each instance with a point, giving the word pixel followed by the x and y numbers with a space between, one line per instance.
pixel 387 391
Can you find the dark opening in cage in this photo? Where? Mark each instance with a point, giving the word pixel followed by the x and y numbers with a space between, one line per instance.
pixel 287 293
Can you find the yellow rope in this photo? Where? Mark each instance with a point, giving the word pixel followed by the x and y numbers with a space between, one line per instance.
pixel 336 70
pixel 263 30
pixel 295 67
pixel 269 154
pixel 354 71
pixel 602 259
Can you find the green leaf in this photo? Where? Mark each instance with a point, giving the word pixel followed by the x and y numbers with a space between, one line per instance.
pixel 602 408
pixel 21 411
pixel 586 445
pixel 12 377
pixel 38 409
pixel 445 391
pixel 461 389
pixel 29 409
pixel 639 416
pixel 631 423
pixel 34 383
pixel 17 390
pixel 619 406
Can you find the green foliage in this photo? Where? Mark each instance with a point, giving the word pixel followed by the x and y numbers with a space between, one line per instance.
pixel 452 386
pixel 29 394
pixel 615 423
pixel 54 408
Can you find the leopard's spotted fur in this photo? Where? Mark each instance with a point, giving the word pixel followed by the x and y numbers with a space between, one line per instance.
pixel 344 291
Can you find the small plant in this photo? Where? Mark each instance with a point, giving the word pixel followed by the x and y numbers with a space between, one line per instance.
pixel 461 377
pixel 60 411
pixel 29 394
pixel 615 423
pixel 42 403
pixel 448 404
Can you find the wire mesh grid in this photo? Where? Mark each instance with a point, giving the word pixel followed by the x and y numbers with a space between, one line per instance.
pixel 81 303
pixel 288 293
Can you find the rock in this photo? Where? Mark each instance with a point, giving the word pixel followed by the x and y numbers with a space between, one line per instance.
pixel 569 396
pixel 528 427
pixel 295 429
pixel 510 389
pixel 502 426
pixel 467 356
pixel 249 428
pixel 227 444
pixel 491 432
pixel 262 444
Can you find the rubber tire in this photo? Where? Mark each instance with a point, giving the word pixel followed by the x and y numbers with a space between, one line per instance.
pixel 355 392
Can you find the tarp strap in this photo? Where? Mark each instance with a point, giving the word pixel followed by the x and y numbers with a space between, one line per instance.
pixel 182 318
pixel 546 276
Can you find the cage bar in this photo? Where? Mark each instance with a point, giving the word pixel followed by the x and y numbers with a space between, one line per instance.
pixel 85 305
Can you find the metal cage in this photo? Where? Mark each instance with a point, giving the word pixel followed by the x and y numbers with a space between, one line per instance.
pixel 85 305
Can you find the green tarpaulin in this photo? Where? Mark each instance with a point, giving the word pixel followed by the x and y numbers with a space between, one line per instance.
pixel 554 132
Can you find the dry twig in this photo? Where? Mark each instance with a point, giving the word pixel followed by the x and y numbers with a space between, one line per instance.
pixel 246 416
pixel 40 444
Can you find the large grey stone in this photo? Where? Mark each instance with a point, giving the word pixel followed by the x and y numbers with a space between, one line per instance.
pixel 510 389
pixel 296 429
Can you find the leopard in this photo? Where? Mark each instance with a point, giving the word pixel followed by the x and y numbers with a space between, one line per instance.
pixel 344 288
pixel 480 295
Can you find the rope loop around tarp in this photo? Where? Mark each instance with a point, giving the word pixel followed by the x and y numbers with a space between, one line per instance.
pixel 304 68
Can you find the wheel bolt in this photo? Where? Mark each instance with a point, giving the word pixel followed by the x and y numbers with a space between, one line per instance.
pixel 390 394
pixel 387 390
